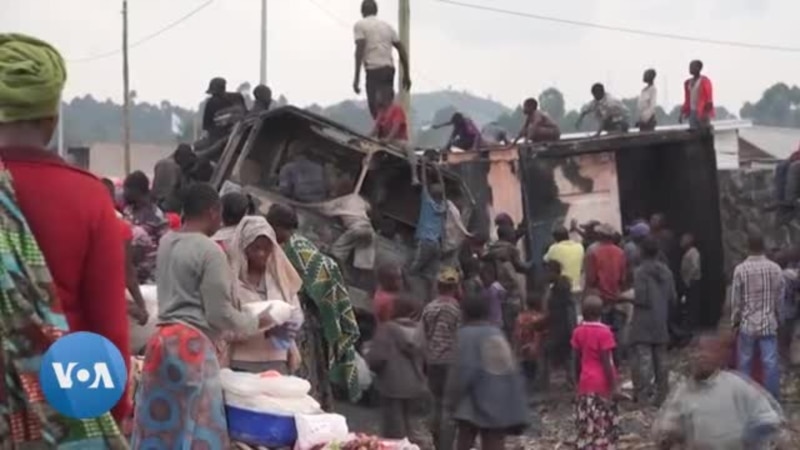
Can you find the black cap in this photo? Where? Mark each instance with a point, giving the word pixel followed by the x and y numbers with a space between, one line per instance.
pixel 261 91
pixel 217 86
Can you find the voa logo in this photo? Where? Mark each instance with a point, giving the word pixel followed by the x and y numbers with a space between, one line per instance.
pixel 102 376
pixel 83 375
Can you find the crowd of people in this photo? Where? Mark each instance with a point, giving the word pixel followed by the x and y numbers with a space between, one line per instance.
pixel 483 333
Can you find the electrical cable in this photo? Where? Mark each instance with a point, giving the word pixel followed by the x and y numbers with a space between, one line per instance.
pixel 656 34
pixel 148 37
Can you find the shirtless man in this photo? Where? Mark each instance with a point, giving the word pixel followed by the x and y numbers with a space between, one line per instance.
pixel 538 127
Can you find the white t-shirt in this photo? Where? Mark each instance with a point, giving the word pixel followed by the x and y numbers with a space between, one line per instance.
pixel 380 38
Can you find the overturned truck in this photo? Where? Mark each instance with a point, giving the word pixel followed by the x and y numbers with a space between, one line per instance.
pixel 260 145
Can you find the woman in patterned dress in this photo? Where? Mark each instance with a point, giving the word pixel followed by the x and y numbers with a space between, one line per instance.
pixel 330 331
pixel 180 402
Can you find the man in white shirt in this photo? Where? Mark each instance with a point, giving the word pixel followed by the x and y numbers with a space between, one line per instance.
pixel 374 42
pixel 647 102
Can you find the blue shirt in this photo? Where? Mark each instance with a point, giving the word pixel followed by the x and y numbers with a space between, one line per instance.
pixel 431 218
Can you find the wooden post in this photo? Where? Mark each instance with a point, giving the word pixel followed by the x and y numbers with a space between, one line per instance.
pixel 404 23
pixel 126 106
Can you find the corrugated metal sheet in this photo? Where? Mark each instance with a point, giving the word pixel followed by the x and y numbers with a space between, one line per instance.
pixel 778 142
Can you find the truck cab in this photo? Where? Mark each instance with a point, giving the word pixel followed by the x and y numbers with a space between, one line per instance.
pixel 260 145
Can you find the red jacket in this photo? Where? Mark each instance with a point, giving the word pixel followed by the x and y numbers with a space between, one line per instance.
pixel 71 214
pixel 705 98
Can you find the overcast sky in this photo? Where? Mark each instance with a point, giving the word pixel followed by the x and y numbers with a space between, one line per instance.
pixel 489 54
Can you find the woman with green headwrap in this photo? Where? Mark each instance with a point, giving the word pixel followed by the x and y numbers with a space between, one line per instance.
pixel 55 219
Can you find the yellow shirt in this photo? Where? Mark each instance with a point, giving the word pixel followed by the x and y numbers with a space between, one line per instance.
pixel 570 255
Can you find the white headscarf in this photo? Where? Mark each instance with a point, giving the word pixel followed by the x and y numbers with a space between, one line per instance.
pixel 280 275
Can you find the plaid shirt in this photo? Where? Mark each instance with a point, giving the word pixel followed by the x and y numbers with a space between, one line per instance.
pixel 440 322
pixel 756 294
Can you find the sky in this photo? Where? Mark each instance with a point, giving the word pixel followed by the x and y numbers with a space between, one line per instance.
pixel 507 58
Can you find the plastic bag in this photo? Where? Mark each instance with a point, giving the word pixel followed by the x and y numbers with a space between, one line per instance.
pixel 274 405
pixel 317 429
pixel 242 383
pixel 279 311
pixel 140 334
pixel 363 372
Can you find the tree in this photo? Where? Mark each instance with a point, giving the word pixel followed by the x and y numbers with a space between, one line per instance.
pixel 551 101
pixel 778 107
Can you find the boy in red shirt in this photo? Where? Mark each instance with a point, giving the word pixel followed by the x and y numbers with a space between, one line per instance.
pixel 391 126
pixel 698 103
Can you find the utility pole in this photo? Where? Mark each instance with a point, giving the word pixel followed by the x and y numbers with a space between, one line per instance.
pixel 126 106
pixel 263 69
pixel 404 22
pixel 61 151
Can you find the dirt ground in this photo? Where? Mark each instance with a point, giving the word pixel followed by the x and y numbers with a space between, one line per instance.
pixel 552 424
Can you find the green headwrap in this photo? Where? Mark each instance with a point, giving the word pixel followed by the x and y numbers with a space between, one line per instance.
pixel 32 76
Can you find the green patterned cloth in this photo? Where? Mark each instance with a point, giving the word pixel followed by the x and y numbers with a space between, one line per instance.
pixel 28 326
pixel 32 76
pixel 324 284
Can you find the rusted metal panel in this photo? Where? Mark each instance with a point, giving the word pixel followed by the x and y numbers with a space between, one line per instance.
pixel 673 172
pixel 493 180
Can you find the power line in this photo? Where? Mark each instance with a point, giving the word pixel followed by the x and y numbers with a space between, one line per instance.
pixel 639 32
pixel 148 37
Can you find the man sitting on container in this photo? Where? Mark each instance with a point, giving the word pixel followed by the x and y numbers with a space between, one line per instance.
pixel 538 127
pixel 302 180
pixel 610 113
pixel 391 126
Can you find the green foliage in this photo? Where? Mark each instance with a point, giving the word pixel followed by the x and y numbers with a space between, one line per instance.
pixel 88 120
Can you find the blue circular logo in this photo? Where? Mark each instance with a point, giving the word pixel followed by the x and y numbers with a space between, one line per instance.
pixel 83 375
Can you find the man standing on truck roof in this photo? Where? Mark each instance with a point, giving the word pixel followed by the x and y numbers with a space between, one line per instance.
pixel 391 125
pixel 217 101
pixel 538 127
pixel 374 42
pixel 610 113
pixel 647 102
pixel 698 104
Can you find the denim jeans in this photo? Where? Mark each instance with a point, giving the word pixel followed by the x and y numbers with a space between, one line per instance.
pixel 768 349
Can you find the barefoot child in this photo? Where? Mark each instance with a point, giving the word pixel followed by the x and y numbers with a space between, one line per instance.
pixel 397 357
pixel 486 392
pixel 596 411
pixel 529 334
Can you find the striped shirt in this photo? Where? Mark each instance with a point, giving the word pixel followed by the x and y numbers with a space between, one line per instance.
pixel 755 295
pixel 440 321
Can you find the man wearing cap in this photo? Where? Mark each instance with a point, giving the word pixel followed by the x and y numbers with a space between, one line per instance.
pixel 217 101
pixel 633 254
pixel 440 322
pixel 72 218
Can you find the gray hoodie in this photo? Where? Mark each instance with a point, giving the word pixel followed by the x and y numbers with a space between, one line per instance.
pixel 654 292
pixel 397 356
